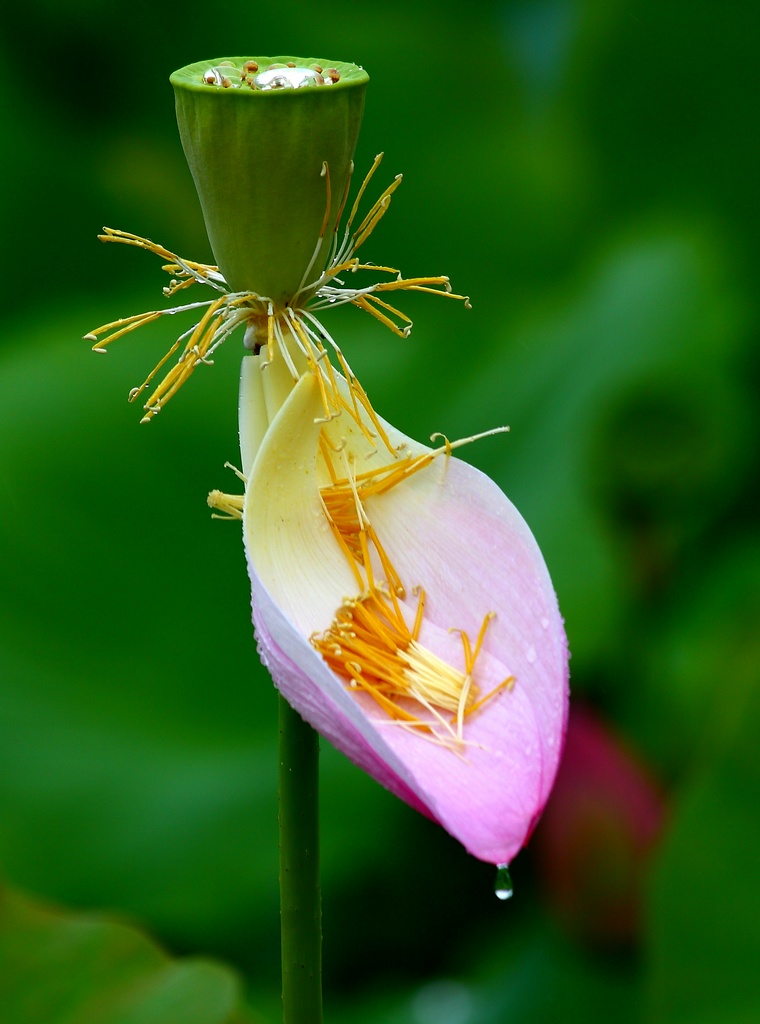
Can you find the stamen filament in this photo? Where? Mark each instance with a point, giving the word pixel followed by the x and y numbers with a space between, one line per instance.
pixel 370 302
pixel 236 308
pixel 362 189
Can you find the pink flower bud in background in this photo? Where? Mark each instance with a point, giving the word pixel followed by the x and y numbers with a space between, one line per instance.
pixel 600 826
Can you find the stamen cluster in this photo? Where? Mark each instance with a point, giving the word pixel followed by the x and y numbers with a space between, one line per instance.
pixel 266 323
pixel 370 643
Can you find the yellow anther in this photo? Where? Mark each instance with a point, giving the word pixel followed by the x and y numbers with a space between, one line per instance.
pixel 231 505
pixel 369 643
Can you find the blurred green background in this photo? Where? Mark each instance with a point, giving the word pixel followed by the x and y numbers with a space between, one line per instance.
pixel 586 170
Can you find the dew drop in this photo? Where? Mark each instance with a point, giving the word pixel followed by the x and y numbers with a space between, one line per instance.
pixel 281 76
pixel 224 75
pixel 544 623
pixel 531 654
pixel 503 884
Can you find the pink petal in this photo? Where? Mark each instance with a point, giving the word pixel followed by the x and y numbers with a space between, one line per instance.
pixel 450 530
pixel 474 553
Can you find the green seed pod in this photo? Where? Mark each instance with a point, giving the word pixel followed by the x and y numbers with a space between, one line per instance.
pixel 270 142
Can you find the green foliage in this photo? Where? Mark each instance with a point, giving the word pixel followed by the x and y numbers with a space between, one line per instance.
pixel 705 936
pixel 57 967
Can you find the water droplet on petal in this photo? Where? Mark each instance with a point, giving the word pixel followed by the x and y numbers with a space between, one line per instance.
pixel 503 884
pixel 531 654
pixel 544 623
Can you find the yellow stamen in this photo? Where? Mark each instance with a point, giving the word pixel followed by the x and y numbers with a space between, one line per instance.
pixel 369 643
pixel 362 189
pixel 381 479
pixel 297 320
pixel 196 351
pixel 230 504
pixel 176 266
pixel 369 303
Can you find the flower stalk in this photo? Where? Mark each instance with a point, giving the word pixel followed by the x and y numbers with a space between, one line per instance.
pixel 300 894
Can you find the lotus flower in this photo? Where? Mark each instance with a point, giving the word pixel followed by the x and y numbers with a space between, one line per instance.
pixel 400 602
pixel 401 605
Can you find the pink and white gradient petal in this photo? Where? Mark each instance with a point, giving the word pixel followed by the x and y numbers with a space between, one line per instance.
pixel 448 529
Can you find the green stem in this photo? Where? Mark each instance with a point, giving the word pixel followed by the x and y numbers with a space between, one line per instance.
pixel 300 897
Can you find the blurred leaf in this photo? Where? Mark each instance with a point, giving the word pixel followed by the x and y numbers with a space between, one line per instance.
pixel 59 968
pixel 650 328
pixel 703 647
pixel 704 935
pixel 551 979
pixel 134 730
pixel 525 975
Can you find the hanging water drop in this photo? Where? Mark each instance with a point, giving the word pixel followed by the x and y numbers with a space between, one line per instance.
pixel 503 885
